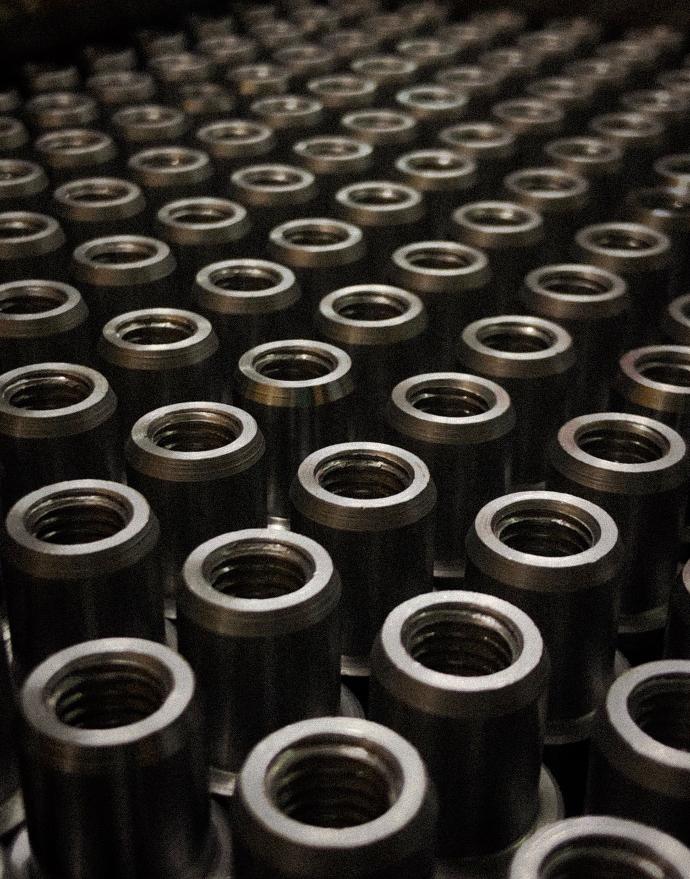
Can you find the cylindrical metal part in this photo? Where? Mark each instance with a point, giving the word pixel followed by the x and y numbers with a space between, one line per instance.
pixel 249 302
pixel 156 356
pixel 382 329
pixel 14 137
pixel 11 803
pixel 120 273
pixel 86 713
pixel 480 85
pixel 342 93
pixel 674 171
pixel 99 207
pixel 259 80
pixel 453 281
pixel 304 61
pixel 457 666
pixel 636 468
pixel 490 145
pixel 532 359
pixel 334 160
pixel 510 234
pixel 600 846
pixel 234 143
pixel 641 138
pixel 469 38
pixel 41 320
pixel 327 791
pixel 550 48
pixel 433 105
pixel 273 194
pixel 592 304
pixel 641 255
pixel 460 425
pixel 389 72
pixel 155 42
pixel 171 70
pixel 10 100
pixel 597 160
pixel 105 58
pixel 203 102
pixel 383 130
pixel 675 321
pixel 299 391
pixel 228 51
pixel 516 65
pixel 387 212
pixel 677 637
pixel 201 466
pixel 574 95
pixel 292 117
pixel 276 33
pixel 79 563
pixel 444 177
pixel 561 197
pixel 50 78
pixel 607 76
pixel 532 121
pixel 201 230
pixel 31 245
pixel 371 505
pixel 671 108
pixel 349 43
pixel 323 253
pixel 140 126
pixel 50 110
pixel 169 173
pixel 57 421
pixel 640 759
pixel 77 152
pixel 117 88
pixel 258 618
pixel 23 185
pixel 428 53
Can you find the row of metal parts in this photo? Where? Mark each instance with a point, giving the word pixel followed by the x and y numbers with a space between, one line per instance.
pixel 237 458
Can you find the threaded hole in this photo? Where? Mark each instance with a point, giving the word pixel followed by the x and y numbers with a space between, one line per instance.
pixel 438 162
pixel 21 227
pixel 363 475
pixel 370 307
pixel 69 141
pixel 661 708
pixel 312 235
pixel 602 857
pixel 447 401
pixel 200 214
pixel 623 443
pixel 440 259
pixel 156 330
pixel 331 148
pixel 379 121
pixel 260 569
pixel 272 178
pixel 575 285
pixel 376 196
pixel 431 97
pixel 460 641
pixel 485 133
pixel 506 216
pixel 80 516
pixel 327 782
pixel 194 430
pixel 97 193
pixel 231 132
pixel 42 391
pixel 541 182
pixel 516 338
pixel 245 279
pixel 552 533
pixel 619 239
pixel 295 364
pixel 121 252
pixel 666 367
pixel 31 300
pixel 168 159
pixel 104 692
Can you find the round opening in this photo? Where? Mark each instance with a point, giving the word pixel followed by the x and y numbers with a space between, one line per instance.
pixel 575 285
pixel 156 329
pixel 288 105
pixel 438 259
pixel 363 475
pixel 552 533
pixel 516 338
pixel 295 364
pixel 168 159
pixel 245 279
pixel 661 708
pixel 378 196
pixel 664 200
pixel 313 235
pixel 341 85
pixel 200 214
pixel 623 443
pixel 460 641
pixel 539 182
pixel 12 227
pixel 121 252
pixel 272 178
pixel 622 239
pixel 11 170
pixel 605 857
pixel 235 131
pixel 583 149
pixel 436 162
pixel 97 193
pixel 666 367
pixel 476 133
pixel 73 140
pixel 678 165
pixel 194 430
pixel 259 569
pixel 73 517
pixel 333 782
pixel 107 692
pixel 506 216
pixel 379 121
pixel 429 97
pixel 335 149
pixel 370 307
pixel 449 401
pixel 43 391
pixel 31 300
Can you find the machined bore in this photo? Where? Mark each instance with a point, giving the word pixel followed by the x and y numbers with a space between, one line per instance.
pixel 140 124
pixel 640 761
pixel 236 140
pixel 321 790
pixel 87 203
pixel 73 150
pixel 60 109
pixel 674 170
pixel 533 548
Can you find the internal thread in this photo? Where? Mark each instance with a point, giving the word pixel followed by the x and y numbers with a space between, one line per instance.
pixel 440 259
pixel 544 532
pixel 575 285
pixel 327 783
pixel 661 708
pixel 194 430
pixel 109 692
pixel 376 196
pixel 260 569
pixel 245 279
pixel 516 338
pixel 604 857
pixel 460 641
pixel 121 252
pixel 666 367
pixel 315 236
pixel 156 330
pixel 32 300
pixel 623 443
pixel 370 307
pixel 295 364
pixel 42 391
pixel 447 401
pixel 68 518
pixel 363 475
